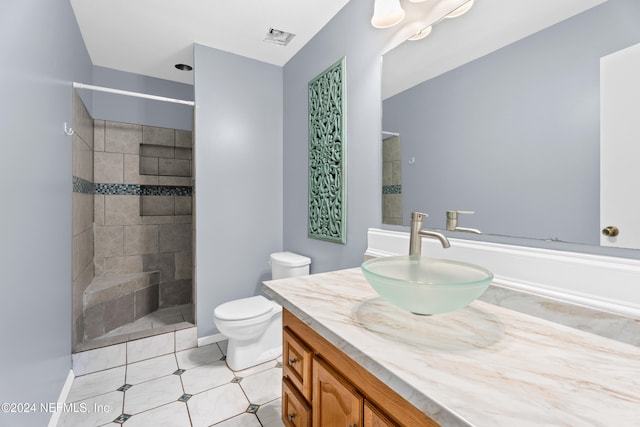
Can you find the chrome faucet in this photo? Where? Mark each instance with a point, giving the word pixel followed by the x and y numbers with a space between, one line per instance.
pixel 415 239
pixel 452 222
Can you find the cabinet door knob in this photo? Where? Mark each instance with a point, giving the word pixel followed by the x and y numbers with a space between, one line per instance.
pixel 293 361
pixel 610 231
pixel 290 417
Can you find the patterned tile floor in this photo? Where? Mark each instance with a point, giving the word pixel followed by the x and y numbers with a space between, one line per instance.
pixel 190 388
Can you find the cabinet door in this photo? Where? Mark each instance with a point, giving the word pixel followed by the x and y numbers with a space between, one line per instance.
pixel 296 362
pixel 296 412
pixel 373 417
pixel 336 403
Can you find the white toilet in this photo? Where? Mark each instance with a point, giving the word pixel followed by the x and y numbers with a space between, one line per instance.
pixel 253 325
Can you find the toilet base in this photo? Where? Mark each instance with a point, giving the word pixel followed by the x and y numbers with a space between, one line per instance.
pixel 241 357
pixel 242 354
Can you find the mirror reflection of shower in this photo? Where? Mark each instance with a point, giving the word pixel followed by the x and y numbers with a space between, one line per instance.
pixel 391 178
pixel 132 225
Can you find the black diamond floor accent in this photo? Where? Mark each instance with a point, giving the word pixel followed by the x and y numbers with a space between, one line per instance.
pixel 236 380
pixel 185 397
pixel 252 409
pixel 179 372
pixel 122 418
pixel 125 387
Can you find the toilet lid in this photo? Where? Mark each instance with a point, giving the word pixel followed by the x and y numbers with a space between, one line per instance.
pixel 245 308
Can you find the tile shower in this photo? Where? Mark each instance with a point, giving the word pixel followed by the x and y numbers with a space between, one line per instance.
pixel 132 228
pixel 392 181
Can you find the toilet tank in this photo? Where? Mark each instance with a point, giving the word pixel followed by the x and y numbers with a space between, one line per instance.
pixel 288 264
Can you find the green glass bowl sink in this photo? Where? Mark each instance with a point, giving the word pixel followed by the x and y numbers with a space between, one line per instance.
pixel 425 285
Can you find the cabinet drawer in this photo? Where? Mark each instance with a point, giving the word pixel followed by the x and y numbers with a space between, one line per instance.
pixel 296 363
pixel 295 410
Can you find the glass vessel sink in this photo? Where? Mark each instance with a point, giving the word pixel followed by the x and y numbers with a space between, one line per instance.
pixel 425 285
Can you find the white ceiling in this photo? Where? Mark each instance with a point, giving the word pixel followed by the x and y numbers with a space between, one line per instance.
pixel 149 37
pixel 488 26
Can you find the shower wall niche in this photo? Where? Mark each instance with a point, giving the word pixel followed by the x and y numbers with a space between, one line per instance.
pixel 132 197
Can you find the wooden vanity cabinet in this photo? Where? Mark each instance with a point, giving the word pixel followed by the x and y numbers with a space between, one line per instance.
pixel 323 387
pixel 374 418
pixel 335 401
pixel 296 412
pixel 296 362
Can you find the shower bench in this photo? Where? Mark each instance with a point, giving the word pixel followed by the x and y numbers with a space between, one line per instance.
pixel 115 300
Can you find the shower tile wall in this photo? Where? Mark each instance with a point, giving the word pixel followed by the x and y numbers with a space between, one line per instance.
pixel 132 231
pixel 83 238
pixel 392 181
pixel 143 221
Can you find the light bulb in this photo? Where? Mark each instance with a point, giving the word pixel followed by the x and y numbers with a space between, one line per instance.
pixel 387 13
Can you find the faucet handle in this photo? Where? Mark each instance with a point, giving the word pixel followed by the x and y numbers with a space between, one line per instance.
pixel 453 214
pixel 417 216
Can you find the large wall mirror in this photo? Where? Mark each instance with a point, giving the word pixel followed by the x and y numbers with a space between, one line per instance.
pixel 499 112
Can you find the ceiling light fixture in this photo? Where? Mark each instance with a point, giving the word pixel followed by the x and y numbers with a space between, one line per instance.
pixel 461 10
pixel 386 13
pixel 421 34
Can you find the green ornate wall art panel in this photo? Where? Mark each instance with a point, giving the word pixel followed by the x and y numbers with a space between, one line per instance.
pixel 327 154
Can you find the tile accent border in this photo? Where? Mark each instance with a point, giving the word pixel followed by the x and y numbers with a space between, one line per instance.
pixel 392 189
pixel 166 190
pixel 82 186
pixel 85 187
pixel 117 189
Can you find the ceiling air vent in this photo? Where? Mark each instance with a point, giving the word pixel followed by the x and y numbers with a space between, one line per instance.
pixel 278 37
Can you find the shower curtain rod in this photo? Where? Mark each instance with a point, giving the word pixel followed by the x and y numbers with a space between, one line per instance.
pixel 129 93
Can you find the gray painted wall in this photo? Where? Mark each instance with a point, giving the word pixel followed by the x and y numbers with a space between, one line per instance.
pixel 42 52
pixel 127 109
pixel 515 135
pixel 348 34
pixel 238 169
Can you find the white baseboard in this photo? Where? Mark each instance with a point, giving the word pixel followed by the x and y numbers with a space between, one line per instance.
pixel 211 339
pixel 601 282
pixel 64 393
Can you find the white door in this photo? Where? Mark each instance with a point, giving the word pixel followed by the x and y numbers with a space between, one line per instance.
pixel 620 147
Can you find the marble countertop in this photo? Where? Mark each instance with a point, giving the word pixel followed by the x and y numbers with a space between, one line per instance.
pixel 483 365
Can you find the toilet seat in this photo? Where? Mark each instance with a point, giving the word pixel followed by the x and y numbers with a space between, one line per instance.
pixel 243 309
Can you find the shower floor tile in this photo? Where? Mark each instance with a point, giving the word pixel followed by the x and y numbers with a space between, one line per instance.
pixel 201 393
pixel 157 319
